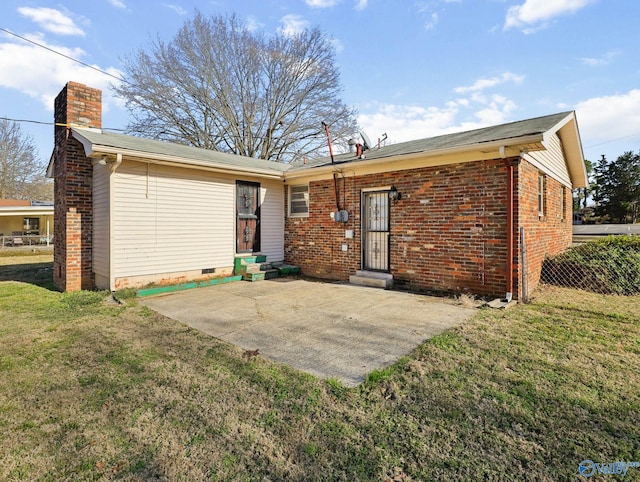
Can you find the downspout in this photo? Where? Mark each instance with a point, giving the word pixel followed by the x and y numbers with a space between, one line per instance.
pixel 509 293
pixel 112 169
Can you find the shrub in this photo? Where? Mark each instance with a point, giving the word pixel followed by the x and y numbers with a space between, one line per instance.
pixel 610 266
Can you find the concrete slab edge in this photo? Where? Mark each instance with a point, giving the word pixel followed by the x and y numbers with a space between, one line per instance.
pixel 186 286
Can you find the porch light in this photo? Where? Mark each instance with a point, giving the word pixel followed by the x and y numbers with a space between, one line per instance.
pixel 394 195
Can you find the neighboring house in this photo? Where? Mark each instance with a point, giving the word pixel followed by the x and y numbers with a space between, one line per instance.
pixel 25 222
pixel 449 213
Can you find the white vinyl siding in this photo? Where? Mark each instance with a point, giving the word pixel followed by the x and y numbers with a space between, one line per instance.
pixel 170 220
pixel 272 220
pixel 551 161
pixel 101 223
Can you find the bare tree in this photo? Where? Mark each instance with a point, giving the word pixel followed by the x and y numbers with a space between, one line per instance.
pixel 21 172
pixel 218 85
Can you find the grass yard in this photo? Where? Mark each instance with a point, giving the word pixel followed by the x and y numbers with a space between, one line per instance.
pixel 97 391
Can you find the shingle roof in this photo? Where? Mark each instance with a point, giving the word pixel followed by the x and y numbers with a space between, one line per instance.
pixel 511 130
pixel 197 156
pixel 149 148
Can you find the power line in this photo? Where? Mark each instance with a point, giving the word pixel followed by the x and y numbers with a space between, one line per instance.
pixel 613 140
pixel 63 55
pixel 53 123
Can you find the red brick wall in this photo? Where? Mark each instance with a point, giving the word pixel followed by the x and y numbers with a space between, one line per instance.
pixel 448 232
pixel 546 235
pixel 73 213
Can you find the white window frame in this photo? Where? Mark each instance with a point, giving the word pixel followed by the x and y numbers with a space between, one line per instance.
pixel 542 184
pixel 300 189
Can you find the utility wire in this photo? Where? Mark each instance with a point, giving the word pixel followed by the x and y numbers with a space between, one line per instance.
pixel 120 130
pixel 613 140
pixel 53 123
pixel 63 55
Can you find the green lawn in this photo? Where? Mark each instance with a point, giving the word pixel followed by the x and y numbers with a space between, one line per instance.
pixel 96 391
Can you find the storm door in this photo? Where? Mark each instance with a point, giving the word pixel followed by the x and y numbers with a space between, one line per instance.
pixel 375 231
pixel 247 217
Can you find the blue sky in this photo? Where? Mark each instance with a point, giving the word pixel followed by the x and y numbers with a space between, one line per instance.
pixel 412 69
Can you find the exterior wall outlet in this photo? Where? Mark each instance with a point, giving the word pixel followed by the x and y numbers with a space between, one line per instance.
pixel 348 234
pixel 345 247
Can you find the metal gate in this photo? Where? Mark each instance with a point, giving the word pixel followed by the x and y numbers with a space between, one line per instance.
pixel 247 217
pixel 375 230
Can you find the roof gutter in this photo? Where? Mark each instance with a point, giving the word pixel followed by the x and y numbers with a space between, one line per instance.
pixel 25 210
pixel 500 147
pixel 165 160
pixel 95 150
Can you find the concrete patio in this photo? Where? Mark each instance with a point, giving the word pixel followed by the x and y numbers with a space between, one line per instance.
pixel 330 330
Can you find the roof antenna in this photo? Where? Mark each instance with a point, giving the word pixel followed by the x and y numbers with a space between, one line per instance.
pixel 326 130
pixel 384 138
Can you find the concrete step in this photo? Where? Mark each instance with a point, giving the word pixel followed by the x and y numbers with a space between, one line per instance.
pixel 259 276
pixel 372 279
pixel 241 261
pixel 374 274
pixel 250 268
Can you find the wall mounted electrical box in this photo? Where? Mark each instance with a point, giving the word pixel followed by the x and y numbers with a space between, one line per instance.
pixel 341 216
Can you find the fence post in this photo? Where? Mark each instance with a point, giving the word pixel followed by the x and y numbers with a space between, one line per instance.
pixel 523 264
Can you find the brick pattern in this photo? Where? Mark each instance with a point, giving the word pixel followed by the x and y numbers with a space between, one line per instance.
pixel 76 104
pixel 448 232
pixel 544 236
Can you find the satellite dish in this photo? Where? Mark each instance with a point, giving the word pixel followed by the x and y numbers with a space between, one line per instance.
pixel 366 141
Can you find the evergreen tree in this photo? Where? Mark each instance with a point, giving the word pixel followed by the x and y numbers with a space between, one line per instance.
pixel 617 190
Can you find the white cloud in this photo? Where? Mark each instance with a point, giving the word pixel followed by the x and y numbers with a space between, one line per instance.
pixel 51 20
pixel 117 3
pixel 321 3
pixel 292 24
pixel 337 45
pixel 361 4
pixel 252 24
pixel 607 118
pixel 432 11
pixel 176 8
pixel 431 22
pixel 597 61
pixel 40 74
pixel 592 61
pixel 534 14
pixel 482 84
pixel 410 122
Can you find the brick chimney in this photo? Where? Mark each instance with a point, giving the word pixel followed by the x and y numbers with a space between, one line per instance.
pixel 81 106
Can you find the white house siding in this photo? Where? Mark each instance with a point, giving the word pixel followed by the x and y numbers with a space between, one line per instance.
pixel 101 225
pixel 272 219
pixel 551 161
pixel 171 223
pixel 170 220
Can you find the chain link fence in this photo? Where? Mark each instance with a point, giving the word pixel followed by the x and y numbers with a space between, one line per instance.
pixel 609 266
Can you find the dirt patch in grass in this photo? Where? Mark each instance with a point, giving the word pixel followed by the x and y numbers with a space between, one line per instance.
pixel 96 392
